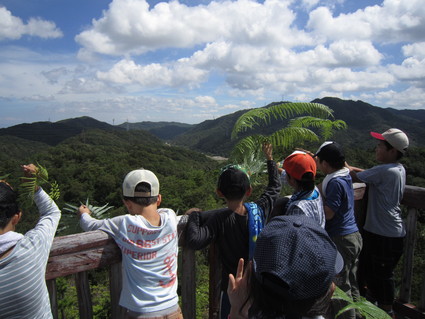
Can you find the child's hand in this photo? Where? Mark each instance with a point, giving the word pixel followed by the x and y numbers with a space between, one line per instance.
pixel 82 210
pixel 305 151
pixel 268 151
pixel 29 170
pixel 238 291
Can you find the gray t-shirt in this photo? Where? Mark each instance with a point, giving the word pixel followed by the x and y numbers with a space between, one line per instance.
pixel 386 186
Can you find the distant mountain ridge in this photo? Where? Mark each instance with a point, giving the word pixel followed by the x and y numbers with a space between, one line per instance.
pixel 163 130
pixel 213 136
pixel 52 133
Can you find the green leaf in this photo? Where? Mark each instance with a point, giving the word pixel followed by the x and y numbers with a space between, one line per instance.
pixel 364 307
pixel 263 116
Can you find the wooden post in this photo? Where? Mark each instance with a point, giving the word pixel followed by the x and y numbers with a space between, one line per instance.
pixel 409 246
pixel 115 286
pixel 51 288
pixel 188 283
pixel 84 296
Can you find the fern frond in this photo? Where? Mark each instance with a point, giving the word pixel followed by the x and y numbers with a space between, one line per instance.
pixel 246 146
pixel 364 307
pixel 97 212
pixel 326 127
pixel 263 116
pixel 29 185
pixel 289 137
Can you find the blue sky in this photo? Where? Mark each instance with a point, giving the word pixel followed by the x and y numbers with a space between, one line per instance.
pixel 190 61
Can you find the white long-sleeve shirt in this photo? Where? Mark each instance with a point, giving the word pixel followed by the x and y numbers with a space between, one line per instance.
pixel 23 291
pixel 149 258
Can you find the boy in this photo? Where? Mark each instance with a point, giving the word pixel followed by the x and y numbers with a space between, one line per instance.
pixel 23 258
pixel 147 237
pixel 300 170
pixel 384 231
pixel 338 200
pixel 291 274
pixel 235 228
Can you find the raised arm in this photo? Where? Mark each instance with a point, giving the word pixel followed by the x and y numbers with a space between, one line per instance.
pixel 48 210
pixel 272 191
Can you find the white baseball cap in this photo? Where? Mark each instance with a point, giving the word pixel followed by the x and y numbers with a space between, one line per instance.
pixel 395 137
pixel 136 177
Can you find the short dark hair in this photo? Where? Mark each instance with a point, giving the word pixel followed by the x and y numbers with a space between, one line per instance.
pixel 267 304
pixel 389 147
pixel 142 201
pixel 8 204
pixel 307 181
pixel 333 154
pixel 233 183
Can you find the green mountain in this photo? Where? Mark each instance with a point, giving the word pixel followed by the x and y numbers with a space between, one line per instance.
pixel 213 136
pixel 163 130
pixel 52 133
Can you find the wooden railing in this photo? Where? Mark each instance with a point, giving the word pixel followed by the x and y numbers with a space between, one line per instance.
pixel 77 254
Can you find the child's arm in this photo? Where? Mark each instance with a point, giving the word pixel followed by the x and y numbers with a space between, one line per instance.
pixel 353 173
pixel 271 193
pixel 87 222
pixel 203 227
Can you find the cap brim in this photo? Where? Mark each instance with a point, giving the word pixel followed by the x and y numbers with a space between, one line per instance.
pixel 377 136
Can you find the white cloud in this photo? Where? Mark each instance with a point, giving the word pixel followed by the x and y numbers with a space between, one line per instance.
pixel 153 75
pixel 414 50
pixel 412 69
pixel 411 98
pixel 131 27
pixel 12 27
pixel 391 22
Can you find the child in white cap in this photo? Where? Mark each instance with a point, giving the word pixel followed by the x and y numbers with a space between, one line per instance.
pixel 147 237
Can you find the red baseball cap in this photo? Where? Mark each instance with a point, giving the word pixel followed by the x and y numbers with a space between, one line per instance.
pixel 299 163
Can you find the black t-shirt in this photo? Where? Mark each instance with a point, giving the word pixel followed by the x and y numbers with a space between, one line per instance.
pixel 228 229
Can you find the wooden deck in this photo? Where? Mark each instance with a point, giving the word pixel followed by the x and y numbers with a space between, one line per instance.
pixel 77 254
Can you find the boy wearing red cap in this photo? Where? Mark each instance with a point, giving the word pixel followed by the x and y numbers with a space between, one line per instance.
pixel 300 170
pixel 384 231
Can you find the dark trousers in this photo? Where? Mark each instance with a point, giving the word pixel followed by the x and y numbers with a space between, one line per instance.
pixel 224 305
pixel 378 260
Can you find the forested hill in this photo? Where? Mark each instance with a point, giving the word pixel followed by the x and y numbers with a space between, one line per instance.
pixel 362 118
pixel 52 133
pixel 163 130
pixel 213 136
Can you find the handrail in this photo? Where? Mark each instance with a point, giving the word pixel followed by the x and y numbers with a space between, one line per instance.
pixel 76 254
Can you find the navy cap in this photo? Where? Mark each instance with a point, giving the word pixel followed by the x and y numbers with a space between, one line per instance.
pixel 299 255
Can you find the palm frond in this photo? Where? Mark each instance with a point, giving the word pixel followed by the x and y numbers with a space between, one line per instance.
pixel 263 116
